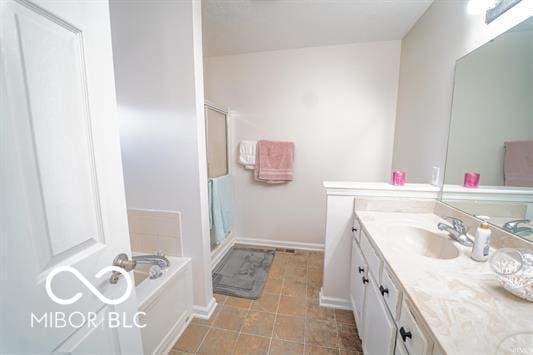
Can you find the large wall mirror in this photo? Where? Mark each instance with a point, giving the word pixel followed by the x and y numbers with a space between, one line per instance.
pixel 491 133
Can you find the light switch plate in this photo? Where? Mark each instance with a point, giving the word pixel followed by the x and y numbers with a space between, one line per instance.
pixel 435 176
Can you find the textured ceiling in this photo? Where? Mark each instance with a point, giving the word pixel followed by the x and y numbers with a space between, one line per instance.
pixel 241 26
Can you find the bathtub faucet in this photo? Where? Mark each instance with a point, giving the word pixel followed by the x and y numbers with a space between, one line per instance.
pixel 158 260
pixel 124 262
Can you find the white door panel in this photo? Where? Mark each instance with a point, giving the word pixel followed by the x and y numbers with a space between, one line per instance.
pixel 46 68
pixel 101 340
pixel 62 191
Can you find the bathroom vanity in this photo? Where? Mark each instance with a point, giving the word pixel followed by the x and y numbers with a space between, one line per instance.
pixel 415 291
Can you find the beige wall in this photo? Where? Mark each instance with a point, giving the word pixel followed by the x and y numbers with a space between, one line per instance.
pixel 443 34
pixel 336 103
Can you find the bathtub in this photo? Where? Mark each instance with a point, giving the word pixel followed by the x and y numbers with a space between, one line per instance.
pixel 167 302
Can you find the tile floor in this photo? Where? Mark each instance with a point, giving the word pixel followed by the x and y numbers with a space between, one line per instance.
pixel 285 320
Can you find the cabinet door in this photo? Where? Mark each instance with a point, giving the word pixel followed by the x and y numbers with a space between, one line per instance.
pixel 400 348
pixel 413 337
pixel 358 285
pixel 353 275
pixel 372 259
pixel 379 330
pixel 356 229
pixel 391 293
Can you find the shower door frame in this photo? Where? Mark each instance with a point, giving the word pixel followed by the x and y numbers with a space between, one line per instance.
pixel 208 105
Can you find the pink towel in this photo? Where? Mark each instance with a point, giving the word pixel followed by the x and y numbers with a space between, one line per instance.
pixel 273 162
pixel 518 163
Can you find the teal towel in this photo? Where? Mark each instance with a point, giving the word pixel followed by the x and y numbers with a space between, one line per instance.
pixel 221 206
pixel 210 196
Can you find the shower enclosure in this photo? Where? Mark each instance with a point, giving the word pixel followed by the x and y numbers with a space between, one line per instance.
pixel 220 190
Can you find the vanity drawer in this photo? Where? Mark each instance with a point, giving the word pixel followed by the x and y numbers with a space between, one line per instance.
pixel 411 334
pixel 372 259
pixel 391 293
pixel 400 348
pixel 356 229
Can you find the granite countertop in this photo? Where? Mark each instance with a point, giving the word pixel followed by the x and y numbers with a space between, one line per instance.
pixel 460 300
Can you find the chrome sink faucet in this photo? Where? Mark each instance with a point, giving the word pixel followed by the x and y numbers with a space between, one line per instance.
pixel 457 231
pixel 512 226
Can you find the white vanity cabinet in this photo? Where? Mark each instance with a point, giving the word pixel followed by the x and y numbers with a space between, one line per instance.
pixel 384 320
pixel 379 330
pixel 356 230
pixel 391 293
pixel 358 277
pixel 400 348
pixel 411 334
pixel 372 259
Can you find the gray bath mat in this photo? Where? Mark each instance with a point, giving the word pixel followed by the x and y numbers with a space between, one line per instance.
pixel 243 272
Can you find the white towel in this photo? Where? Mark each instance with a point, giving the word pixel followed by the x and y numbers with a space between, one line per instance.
pixel 247 154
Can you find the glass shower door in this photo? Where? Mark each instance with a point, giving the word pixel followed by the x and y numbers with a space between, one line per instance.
pixel 216 123
pixel 217 142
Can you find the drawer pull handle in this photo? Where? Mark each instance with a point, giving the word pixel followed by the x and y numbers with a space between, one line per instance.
pixel 354 229
pixel 361 269
pixel 383 290
pixel 365 280
pixel 405 334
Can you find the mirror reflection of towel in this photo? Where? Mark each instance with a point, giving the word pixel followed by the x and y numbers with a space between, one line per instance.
pixel 518 163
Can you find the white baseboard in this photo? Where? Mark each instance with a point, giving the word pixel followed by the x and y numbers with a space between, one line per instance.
pixel 280 244
pixel 221 250
pixel 205 312
pixel 332 302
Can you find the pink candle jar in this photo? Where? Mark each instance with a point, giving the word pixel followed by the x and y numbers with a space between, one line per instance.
pixel 398 178
pixel 471 180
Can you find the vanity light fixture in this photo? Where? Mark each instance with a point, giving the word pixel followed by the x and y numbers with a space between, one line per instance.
pixel 477 7
pixel 494 12
pixel 492 8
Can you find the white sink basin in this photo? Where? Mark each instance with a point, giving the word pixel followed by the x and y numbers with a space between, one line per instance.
pixel 426 243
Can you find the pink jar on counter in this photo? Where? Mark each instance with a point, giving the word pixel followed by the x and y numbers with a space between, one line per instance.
pixel 398 178
pixel 471 180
